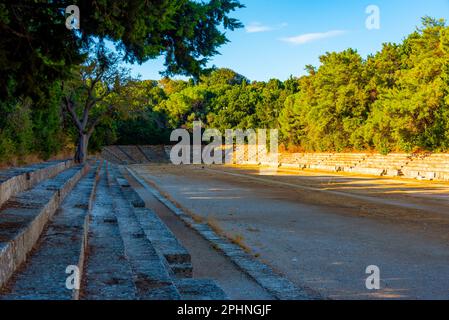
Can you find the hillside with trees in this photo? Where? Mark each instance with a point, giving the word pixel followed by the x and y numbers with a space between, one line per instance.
pixel 393 100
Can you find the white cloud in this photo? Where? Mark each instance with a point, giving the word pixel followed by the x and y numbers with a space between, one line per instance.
pixel 309 37
pixel 256 27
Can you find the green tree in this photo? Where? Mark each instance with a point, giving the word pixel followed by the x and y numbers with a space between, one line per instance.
pixel 185 106
pixel 332 106
pixel 413 112
pixel 143 124
pixel 37 49
pixel 100 88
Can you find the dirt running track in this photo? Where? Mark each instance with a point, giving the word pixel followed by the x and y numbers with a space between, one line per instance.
pixel 322 230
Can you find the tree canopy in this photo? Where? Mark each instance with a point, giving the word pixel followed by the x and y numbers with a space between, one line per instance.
pixel 36 48
pixel 396 99
pixel 393 100
pixel 38 52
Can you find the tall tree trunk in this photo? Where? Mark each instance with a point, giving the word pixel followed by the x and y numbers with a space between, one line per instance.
pixel 81 149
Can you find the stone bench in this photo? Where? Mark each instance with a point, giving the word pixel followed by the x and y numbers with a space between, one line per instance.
pixel 110 151
pixel 324 167
pixel 15 180
pixel 109 156
pixel 63 243
pixel 200 289
pixel 163 240
pixel 135 154
pixel 124 151
pixel 156 154
pixel 369 171
pixel 150 274
pixel 118 153
pixel 24 216
pixel 385 164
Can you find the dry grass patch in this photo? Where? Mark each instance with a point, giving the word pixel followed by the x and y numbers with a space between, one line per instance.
pixel 213 224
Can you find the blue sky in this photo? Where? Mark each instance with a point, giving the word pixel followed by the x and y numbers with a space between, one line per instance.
pixel 282 36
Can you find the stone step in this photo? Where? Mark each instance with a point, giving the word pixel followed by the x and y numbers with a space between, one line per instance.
pixel 180 261
pixel 150 274
pixel 24 216
pixel 118 154
pixel 144 155
pixel 135 154
pixel 324 167
pixel 108 274
pixel 155 154
pixel 182 270
pixel 287 165
pixel 443 176
pixel 200 289
pixel 163 240
pixel 129 157
pixel 370 171
pixel 15 180
pixel 369 164
pixel 178 258
pixel 129 193
pixel 109 156
pixel 427 167
pixel 62 244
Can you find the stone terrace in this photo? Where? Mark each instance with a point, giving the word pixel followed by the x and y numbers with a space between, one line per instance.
pixel 416 166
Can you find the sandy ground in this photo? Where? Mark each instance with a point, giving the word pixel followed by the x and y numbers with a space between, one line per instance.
pixel 322 230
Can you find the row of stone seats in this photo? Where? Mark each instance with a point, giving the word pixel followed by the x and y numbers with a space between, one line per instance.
pixel 125 155
pixel 134 153
pixel 343 161
pixel 99 235
pixel 419 166
pixel 428 167
pixel 156 153
pixel 194 154
pixel 388 165
pixel 315 161
pixel 246 155
pixel 176 256
pixel 110 156
pixel 161 154
pixel 63 243
pixel 15 180
pixel 140 154
pixel 121 154
pixel 290 160
pixel 306 161
pixel 24 216
pixel 154 250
